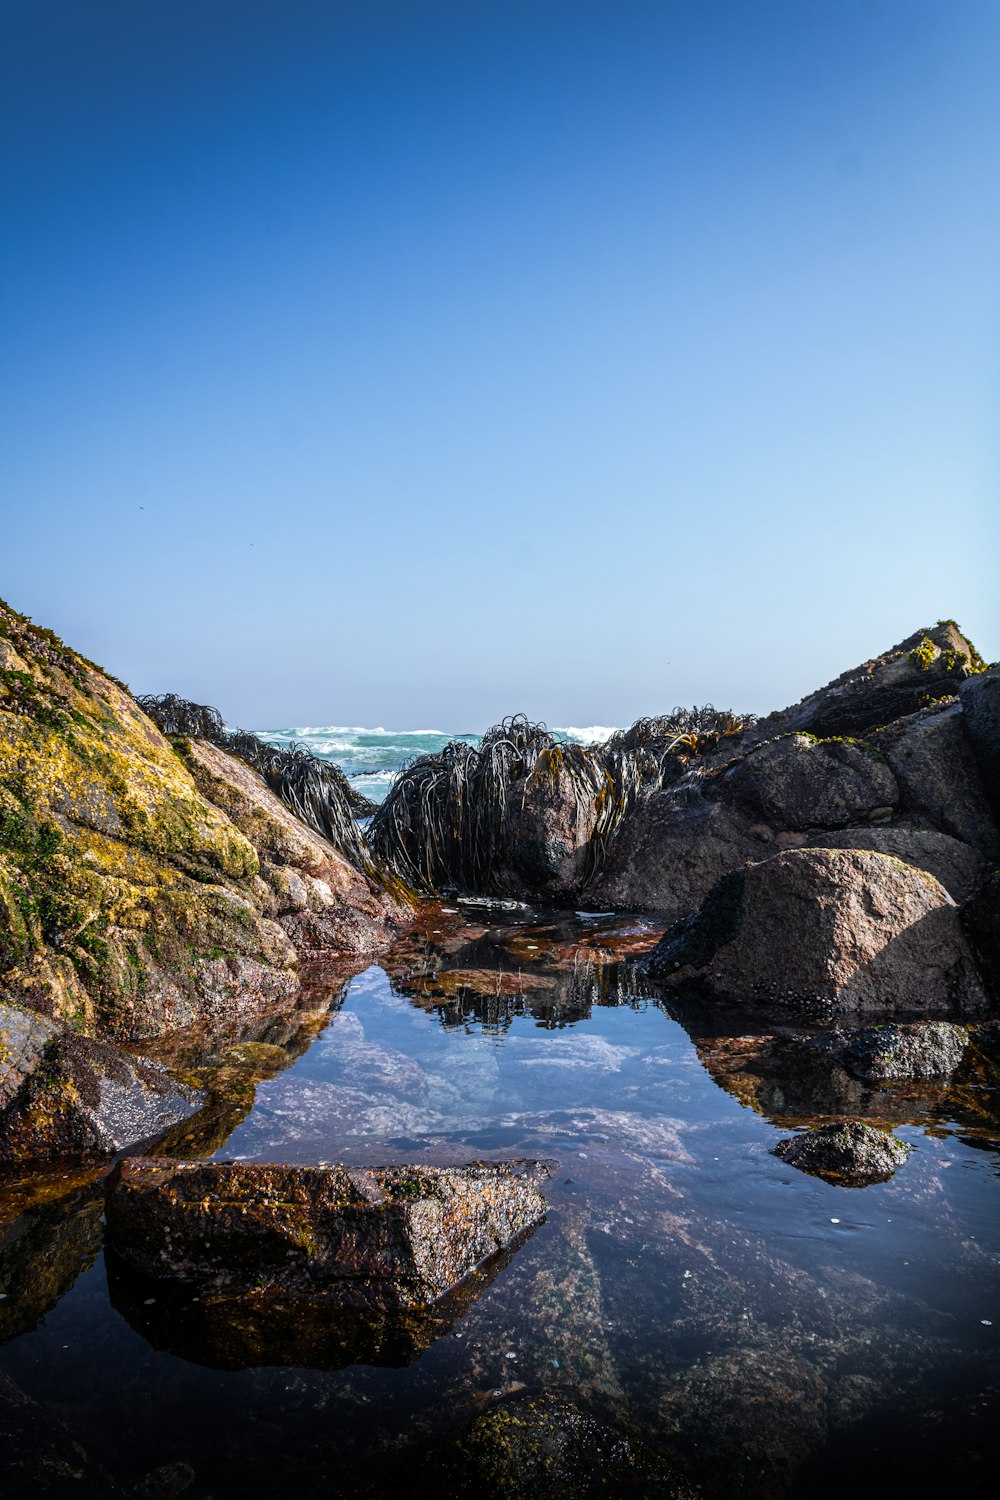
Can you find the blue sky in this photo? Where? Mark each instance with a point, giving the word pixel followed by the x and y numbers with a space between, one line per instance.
pixel 419 363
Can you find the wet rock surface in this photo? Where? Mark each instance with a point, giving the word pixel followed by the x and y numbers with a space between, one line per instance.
pixel 69 1096
pixel 845 930
pixel 931 1049
pixel 848 1151
pixel 383 1237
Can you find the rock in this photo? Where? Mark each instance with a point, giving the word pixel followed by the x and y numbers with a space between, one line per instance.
pixel 929 664
pixel 875 1054
pixel 960 868
pixel 127 901
pixel 537 1446
pixel 73 1096
pixel 39 1458
pixel 798 782
pixel 980 698
pixel 552 817
pixel 367 1238
pixel 323 903
pixel 981 921
pixel 842 930
pixel 131 905
pixel 938 775
pixel 848 1152
pixel 670 851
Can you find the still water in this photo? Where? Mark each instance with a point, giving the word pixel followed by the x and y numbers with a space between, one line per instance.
pixel 778 1334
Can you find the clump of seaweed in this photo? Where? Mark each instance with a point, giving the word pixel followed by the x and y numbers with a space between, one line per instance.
pixel 315 790
pixel 446 825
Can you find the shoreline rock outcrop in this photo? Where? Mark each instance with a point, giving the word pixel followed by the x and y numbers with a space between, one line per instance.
pixel 842 931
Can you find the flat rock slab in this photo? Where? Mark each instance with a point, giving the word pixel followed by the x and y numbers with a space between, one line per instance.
pixel 847 1152
pixel 391 1237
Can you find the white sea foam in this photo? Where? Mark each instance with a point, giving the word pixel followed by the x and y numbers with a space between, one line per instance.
pixel 594 734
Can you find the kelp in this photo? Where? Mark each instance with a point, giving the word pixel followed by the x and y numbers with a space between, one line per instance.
pixel 445 825
pixel 316 791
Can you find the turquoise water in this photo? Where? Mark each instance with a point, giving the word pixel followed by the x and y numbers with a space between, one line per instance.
pixel 371 757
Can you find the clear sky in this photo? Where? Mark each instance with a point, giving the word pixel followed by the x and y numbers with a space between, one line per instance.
pixel 419 363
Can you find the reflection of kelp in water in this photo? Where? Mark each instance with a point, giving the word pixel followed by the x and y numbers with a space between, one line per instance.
pixel 50 1232
pixel 487 977
pixel 260 1328
pixel 782 1075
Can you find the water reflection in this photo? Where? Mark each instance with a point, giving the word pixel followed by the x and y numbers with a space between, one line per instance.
pixel 768 1329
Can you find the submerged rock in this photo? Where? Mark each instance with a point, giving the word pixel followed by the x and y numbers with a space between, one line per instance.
pixel 842 930
pixel 366 1238
pixel 538 1446
pixel 875 1054
pixel 848 1152
pixel 40 1458
pixel 67 1095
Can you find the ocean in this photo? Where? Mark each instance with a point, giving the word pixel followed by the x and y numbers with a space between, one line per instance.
pixel 371 757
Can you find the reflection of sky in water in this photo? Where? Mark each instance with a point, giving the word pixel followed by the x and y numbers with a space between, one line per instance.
pixel 686 1281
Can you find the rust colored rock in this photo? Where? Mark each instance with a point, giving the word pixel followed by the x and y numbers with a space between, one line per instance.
pixel 367 1238
pixel 846 931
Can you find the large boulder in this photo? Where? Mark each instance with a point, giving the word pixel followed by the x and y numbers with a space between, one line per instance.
pixel 127 901
pixel 980 697
pixel 845 931
pixel 931 663
pixel 672 848
pixel 850 1153
pixel 67 1096
pixel 385 1237
pixel 960 868
pixel 800 782
pixel 321 900
pixel 939 779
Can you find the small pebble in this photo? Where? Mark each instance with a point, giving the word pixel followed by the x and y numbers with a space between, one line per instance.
pixel 986 1322
pixel 834 1221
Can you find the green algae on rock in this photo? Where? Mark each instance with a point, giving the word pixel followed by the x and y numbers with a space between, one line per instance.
pixel 131 904
pixel 849 1152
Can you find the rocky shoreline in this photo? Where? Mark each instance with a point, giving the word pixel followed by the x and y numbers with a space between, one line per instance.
pixel 824 886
